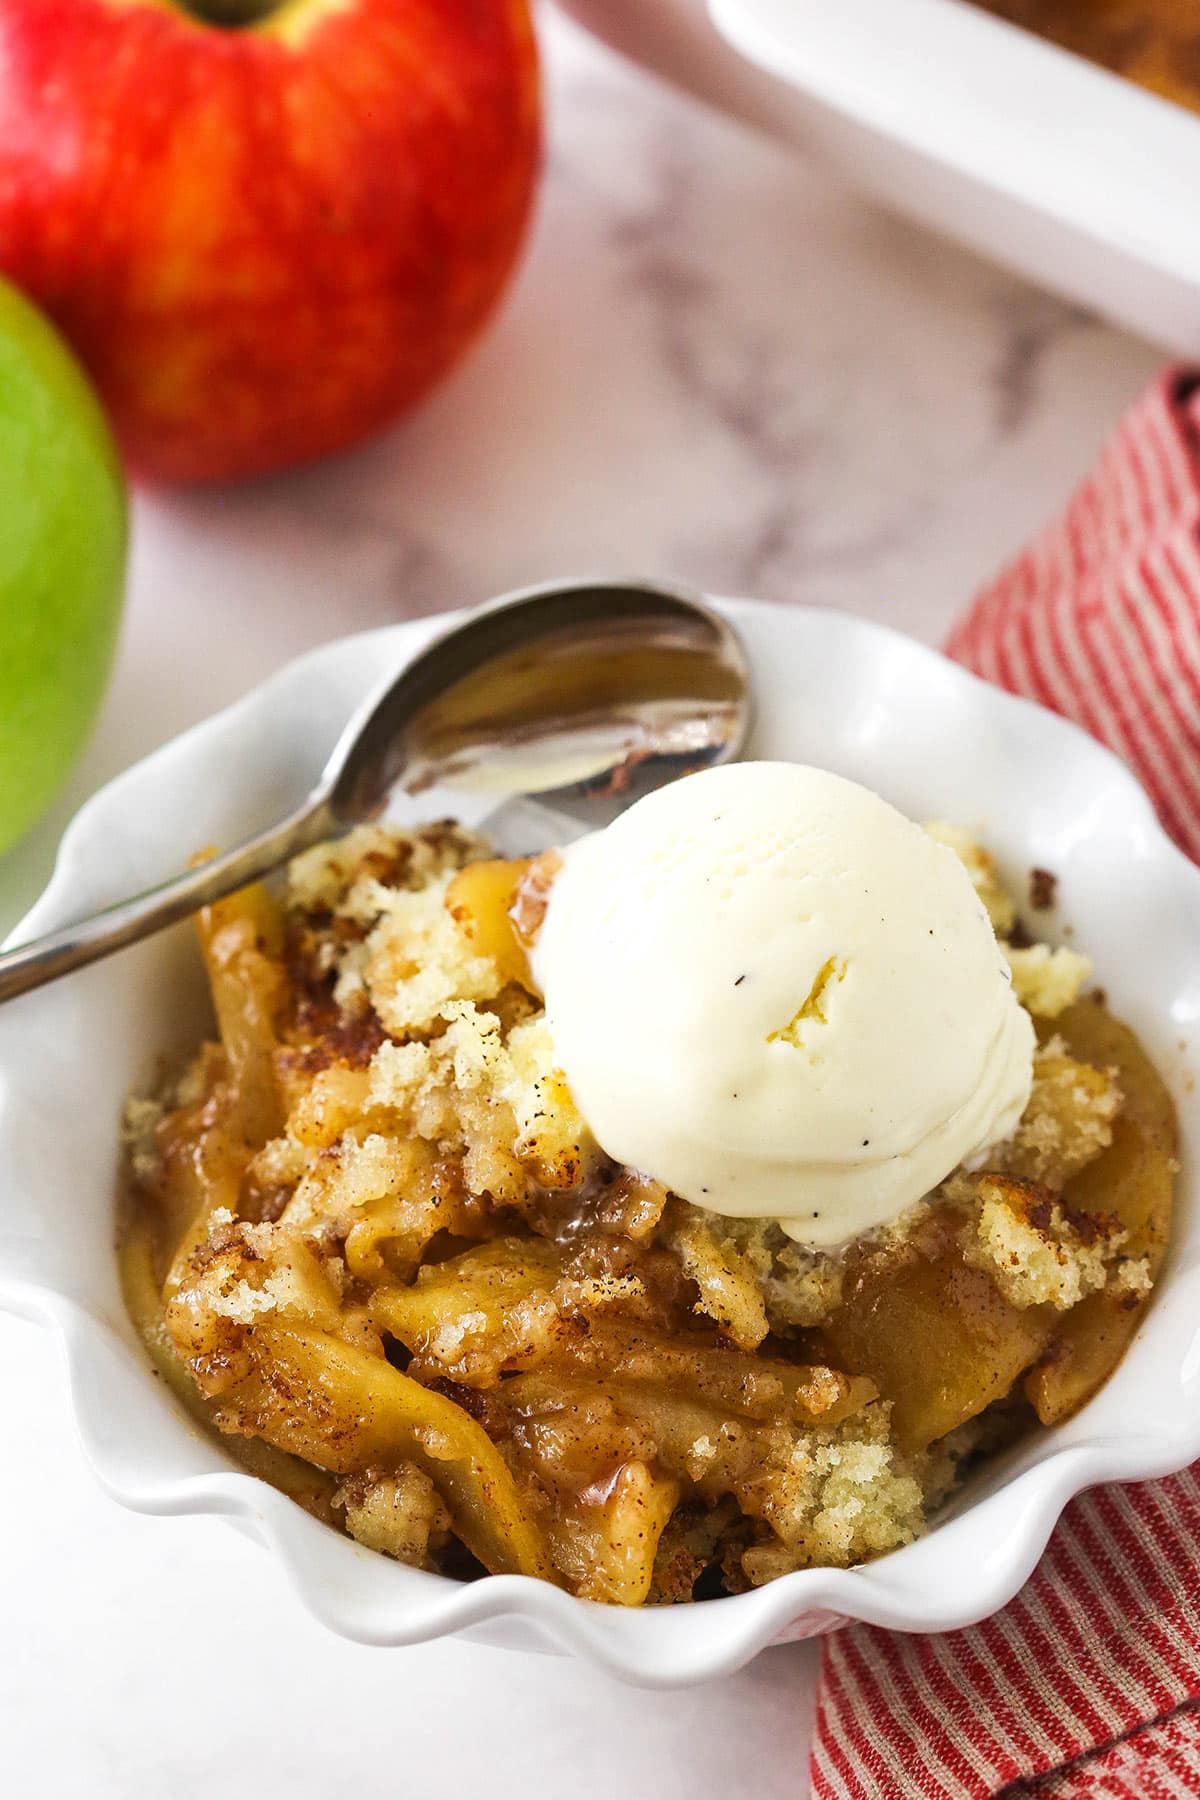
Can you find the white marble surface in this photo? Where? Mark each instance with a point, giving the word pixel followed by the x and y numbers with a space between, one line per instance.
pixel 714 364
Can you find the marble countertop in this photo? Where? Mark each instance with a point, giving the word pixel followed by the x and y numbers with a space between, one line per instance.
pixel 715 364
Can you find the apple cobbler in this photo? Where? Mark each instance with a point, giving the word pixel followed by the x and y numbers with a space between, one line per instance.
pixel 368 1235
pixel 1151 42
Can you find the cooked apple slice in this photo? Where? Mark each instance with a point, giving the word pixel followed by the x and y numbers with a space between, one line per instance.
pixel 1134 1179
pixel 481 898
pixel 933 1332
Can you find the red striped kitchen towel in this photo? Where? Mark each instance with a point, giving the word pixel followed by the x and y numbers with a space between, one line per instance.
pixel 1088 1683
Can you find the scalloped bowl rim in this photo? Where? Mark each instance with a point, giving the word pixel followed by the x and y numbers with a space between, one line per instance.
pixel 965 1568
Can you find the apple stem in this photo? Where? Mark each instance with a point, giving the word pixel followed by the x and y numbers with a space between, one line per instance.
pixel 231 12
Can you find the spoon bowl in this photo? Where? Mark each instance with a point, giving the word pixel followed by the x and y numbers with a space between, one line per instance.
pixel 584 694
pixel 580 694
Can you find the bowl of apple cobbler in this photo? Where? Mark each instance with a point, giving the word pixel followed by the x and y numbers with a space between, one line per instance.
pixel 767 1212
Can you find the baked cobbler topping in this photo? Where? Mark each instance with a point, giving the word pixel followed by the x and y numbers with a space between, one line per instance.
pixel 1151 42
pixel 369 1236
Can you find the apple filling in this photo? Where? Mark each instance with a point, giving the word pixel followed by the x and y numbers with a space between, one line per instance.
pixel 367 1235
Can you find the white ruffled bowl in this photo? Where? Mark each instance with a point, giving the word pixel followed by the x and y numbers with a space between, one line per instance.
pixel 831 690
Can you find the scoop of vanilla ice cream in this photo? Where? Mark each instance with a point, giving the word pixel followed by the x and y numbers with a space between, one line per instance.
pixel 774 993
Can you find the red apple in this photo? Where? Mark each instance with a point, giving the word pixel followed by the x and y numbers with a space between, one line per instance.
pixel 266 225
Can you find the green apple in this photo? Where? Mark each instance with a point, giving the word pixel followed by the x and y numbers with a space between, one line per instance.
pixel 62 560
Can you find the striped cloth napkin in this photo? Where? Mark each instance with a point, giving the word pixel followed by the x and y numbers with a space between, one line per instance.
pixel 1088 1683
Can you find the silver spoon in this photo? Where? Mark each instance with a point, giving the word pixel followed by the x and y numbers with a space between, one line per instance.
pixel 585 694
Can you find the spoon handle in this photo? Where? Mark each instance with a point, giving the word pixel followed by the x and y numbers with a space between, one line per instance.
pixel 74 946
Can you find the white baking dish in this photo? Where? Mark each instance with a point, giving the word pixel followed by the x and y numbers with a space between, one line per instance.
pixel 1071 175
